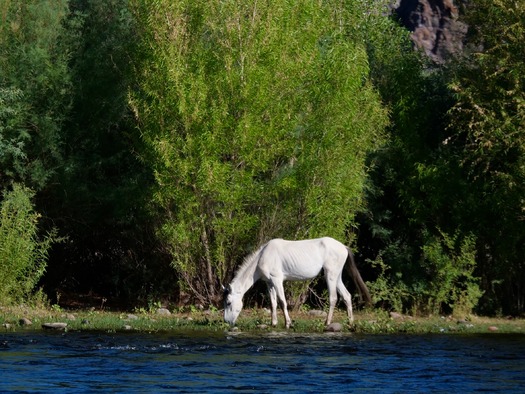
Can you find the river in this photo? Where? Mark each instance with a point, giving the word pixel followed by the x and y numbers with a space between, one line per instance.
pixel 197 362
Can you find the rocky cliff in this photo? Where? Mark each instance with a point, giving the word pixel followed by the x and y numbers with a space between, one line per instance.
pixel 434 24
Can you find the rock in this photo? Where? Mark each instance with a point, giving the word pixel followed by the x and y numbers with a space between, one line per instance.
pixel 70 316
pixel 334 327
pixel 395 315
pixel 7 326
pixel 493 328
pixel 163 312
pixel 262 326
pixel 434 24
pixel 132 317
pixel 25 321
pixel 54 326
pixel 127 327
pixel 84 321
pixel 317 313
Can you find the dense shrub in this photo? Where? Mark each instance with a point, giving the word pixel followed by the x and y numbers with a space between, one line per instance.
pixel 23 252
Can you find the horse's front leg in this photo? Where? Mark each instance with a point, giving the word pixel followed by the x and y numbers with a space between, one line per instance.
pixel 273 300
pixel 280 294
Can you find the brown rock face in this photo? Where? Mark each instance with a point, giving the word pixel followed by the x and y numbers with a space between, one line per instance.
pixel 434 25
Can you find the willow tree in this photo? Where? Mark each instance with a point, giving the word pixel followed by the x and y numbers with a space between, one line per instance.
pixel 257 117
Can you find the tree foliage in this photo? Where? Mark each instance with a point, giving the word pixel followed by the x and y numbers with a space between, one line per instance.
pixel 23 252
pixel 34 88
pixel 34 103
pixel 488 121
pixel 406 232
pixel 453 164
pixel 99 198
pixel 191 132
pixel 258 118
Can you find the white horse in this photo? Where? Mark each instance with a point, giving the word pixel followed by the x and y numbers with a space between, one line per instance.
pixel 280 260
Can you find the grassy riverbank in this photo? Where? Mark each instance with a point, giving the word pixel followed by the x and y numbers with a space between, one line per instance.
pixel 251 320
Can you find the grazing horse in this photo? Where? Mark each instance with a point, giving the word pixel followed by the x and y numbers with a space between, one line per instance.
pixel 280 260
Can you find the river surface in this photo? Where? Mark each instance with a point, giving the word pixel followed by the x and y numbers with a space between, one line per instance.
pixel 269 363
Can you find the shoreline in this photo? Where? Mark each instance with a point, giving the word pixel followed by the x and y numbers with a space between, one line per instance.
pixel 23 319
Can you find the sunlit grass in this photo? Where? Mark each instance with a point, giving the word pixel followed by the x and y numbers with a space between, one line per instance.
pixel 250 321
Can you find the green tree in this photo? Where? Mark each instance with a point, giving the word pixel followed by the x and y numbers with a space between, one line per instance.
pixel 488 122
pixel 34 90
pixel 453 165
pixel 257 118
pixel 415 176
pixel 99 194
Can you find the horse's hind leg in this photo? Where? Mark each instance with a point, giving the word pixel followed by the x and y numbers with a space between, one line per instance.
pixel 273 300
pixel 346 296
pixel 332 293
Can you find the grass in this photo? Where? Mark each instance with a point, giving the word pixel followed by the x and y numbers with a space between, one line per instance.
pixel 251 320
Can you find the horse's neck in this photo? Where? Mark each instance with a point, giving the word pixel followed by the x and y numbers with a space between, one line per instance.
pixel 247 275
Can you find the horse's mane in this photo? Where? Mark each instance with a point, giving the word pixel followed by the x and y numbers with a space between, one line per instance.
pixel 249 264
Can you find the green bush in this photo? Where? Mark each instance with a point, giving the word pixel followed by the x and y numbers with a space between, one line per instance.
pixel 388 290
pixel 449 263
pixel 23 254
pixel 444 282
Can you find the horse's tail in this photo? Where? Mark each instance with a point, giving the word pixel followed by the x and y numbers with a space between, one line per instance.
pixel 356 276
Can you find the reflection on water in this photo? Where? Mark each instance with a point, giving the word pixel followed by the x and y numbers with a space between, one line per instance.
pixel 211 362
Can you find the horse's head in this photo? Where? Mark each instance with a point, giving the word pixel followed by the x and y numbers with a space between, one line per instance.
pixel 232 304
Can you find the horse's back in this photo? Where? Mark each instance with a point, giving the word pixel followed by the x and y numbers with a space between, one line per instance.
pixel 311 246
pixel 303 259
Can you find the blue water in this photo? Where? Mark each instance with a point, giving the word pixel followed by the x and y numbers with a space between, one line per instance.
pixel 269 363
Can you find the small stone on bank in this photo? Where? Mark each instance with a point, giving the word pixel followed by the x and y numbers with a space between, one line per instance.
pixel 317 313
pixel 334 327
pixel 25 321
pixel 163 311
pixel 396 315
pixel 54 326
